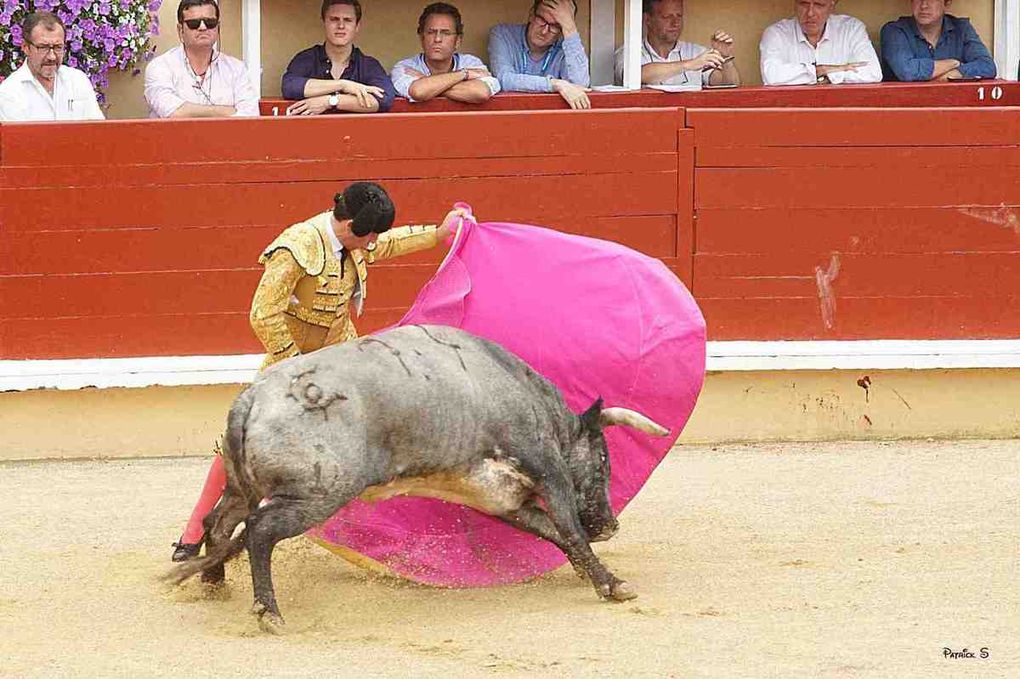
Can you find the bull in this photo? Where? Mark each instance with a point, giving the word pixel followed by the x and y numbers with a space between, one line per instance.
pixel 421 410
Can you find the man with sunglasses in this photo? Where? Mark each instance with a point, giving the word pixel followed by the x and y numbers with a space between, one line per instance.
pixel 43 88
pixel 336 75
pixel 543 55
pixel 440 70
pixel 195 79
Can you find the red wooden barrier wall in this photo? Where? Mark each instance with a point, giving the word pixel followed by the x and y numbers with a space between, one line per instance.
pixel 858 224
pixel 142 238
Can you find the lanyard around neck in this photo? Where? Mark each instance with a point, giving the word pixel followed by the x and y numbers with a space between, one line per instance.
pixel 526 54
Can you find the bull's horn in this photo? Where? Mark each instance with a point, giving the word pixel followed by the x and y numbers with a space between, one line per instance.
pixel 631 418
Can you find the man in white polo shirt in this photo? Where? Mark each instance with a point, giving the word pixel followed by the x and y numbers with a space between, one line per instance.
pixel 195 79
pixel 817 46
pixel 668 60
pixel 43 88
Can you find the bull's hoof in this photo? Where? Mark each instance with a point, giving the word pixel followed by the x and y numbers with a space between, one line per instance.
pixel 617 591
pixel 271 623
pixel 623 591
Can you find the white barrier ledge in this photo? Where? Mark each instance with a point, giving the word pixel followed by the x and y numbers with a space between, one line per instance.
pixel 150 371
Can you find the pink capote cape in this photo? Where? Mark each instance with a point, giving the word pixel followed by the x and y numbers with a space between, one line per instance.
pixel 592 316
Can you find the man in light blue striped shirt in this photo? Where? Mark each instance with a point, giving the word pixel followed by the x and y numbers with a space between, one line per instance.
pixel 441 71
pixel 543 55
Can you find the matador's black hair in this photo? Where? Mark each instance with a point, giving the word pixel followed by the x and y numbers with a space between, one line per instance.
pixel 368 206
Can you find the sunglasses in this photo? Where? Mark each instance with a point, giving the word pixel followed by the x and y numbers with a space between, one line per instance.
pixel 193 24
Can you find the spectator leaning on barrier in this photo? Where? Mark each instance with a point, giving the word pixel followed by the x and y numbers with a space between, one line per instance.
pixel 667 60
pixel 817 46
pixel 543 55
pixel 336 75
pixel 195 79
pixel 440 70
pixel 933 45
pixel 43 88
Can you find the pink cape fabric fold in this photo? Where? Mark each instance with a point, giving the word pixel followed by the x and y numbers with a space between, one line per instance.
pixel 592 316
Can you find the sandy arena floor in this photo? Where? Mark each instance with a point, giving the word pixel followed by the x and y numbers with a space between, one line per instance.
pixel 808 560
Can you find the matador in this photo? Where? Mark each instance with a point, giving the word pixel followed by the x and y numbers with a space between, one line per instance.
pixel 315 273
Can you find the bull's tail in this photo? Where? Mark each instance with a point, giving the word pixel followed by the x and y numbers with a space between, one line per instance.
pixel 239 484
pixel 225 552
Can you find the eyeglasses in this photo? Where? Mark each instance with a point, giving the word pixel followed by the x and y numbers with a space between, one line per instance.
pixel 441 33
pixel 193 24
pixel 57 50
pixel 544 25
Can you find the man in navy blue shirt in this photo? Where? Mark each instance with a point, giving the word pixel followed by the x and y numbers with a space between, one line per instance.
pixel 933 45
pixel 336 75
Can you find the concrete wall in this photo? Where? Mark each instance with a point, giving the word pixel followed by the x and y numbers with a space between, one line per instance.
pixel 734 406
pixel 388 32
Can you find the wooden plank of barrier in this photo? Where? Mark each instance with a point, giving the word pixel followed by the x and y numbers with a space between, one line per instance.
pixel 567 196
pixel 785 273
pixel 152 335
pixel 913 159
pixel 856 127
pixel 337 170
pixel 365 137
pixel 238 246
pixel 856 318
pixel 195 292
pixel 994 228
pixel 826 187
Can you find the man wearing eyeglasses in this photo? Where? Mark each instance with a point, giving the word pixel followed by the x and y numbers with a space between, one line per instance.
pixel 336 75
pixel 195 79
pixel 440 70
pixel 543 55
pixel 43 88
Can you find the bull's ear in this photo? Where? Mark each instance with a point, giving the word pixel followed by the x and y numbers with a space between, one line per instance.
pixel 590 418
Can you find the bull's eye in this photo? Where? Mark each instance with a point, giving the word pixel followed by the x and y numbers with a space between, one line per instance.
pixel 313 393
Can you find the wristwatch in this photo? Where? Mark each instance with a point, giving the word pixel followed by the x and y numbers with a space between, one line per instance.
pixel 822 79
pixel 334 99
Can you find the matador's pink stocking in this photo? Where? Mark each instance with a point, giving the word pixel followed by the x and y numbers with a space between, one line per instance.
pixel 215 482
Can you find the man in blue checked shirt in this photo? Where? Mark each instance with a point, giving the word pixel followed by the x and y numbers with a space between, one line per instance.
pixel 933 45
pixel 440 70
pixel 543 55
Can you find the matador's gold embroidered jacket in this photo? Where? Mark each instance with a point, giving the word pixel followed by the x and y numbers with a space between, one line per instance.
pixel 304 299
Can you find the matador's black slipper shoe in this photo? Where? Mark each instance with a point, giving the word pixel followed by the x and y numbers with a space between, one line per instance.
pixel 183 551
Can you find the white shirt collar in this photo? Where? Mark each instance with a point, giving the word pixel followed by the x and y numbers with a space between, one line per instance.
pixel 338 248
pixel 655 55
pixel 801 37
pixel 24 74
